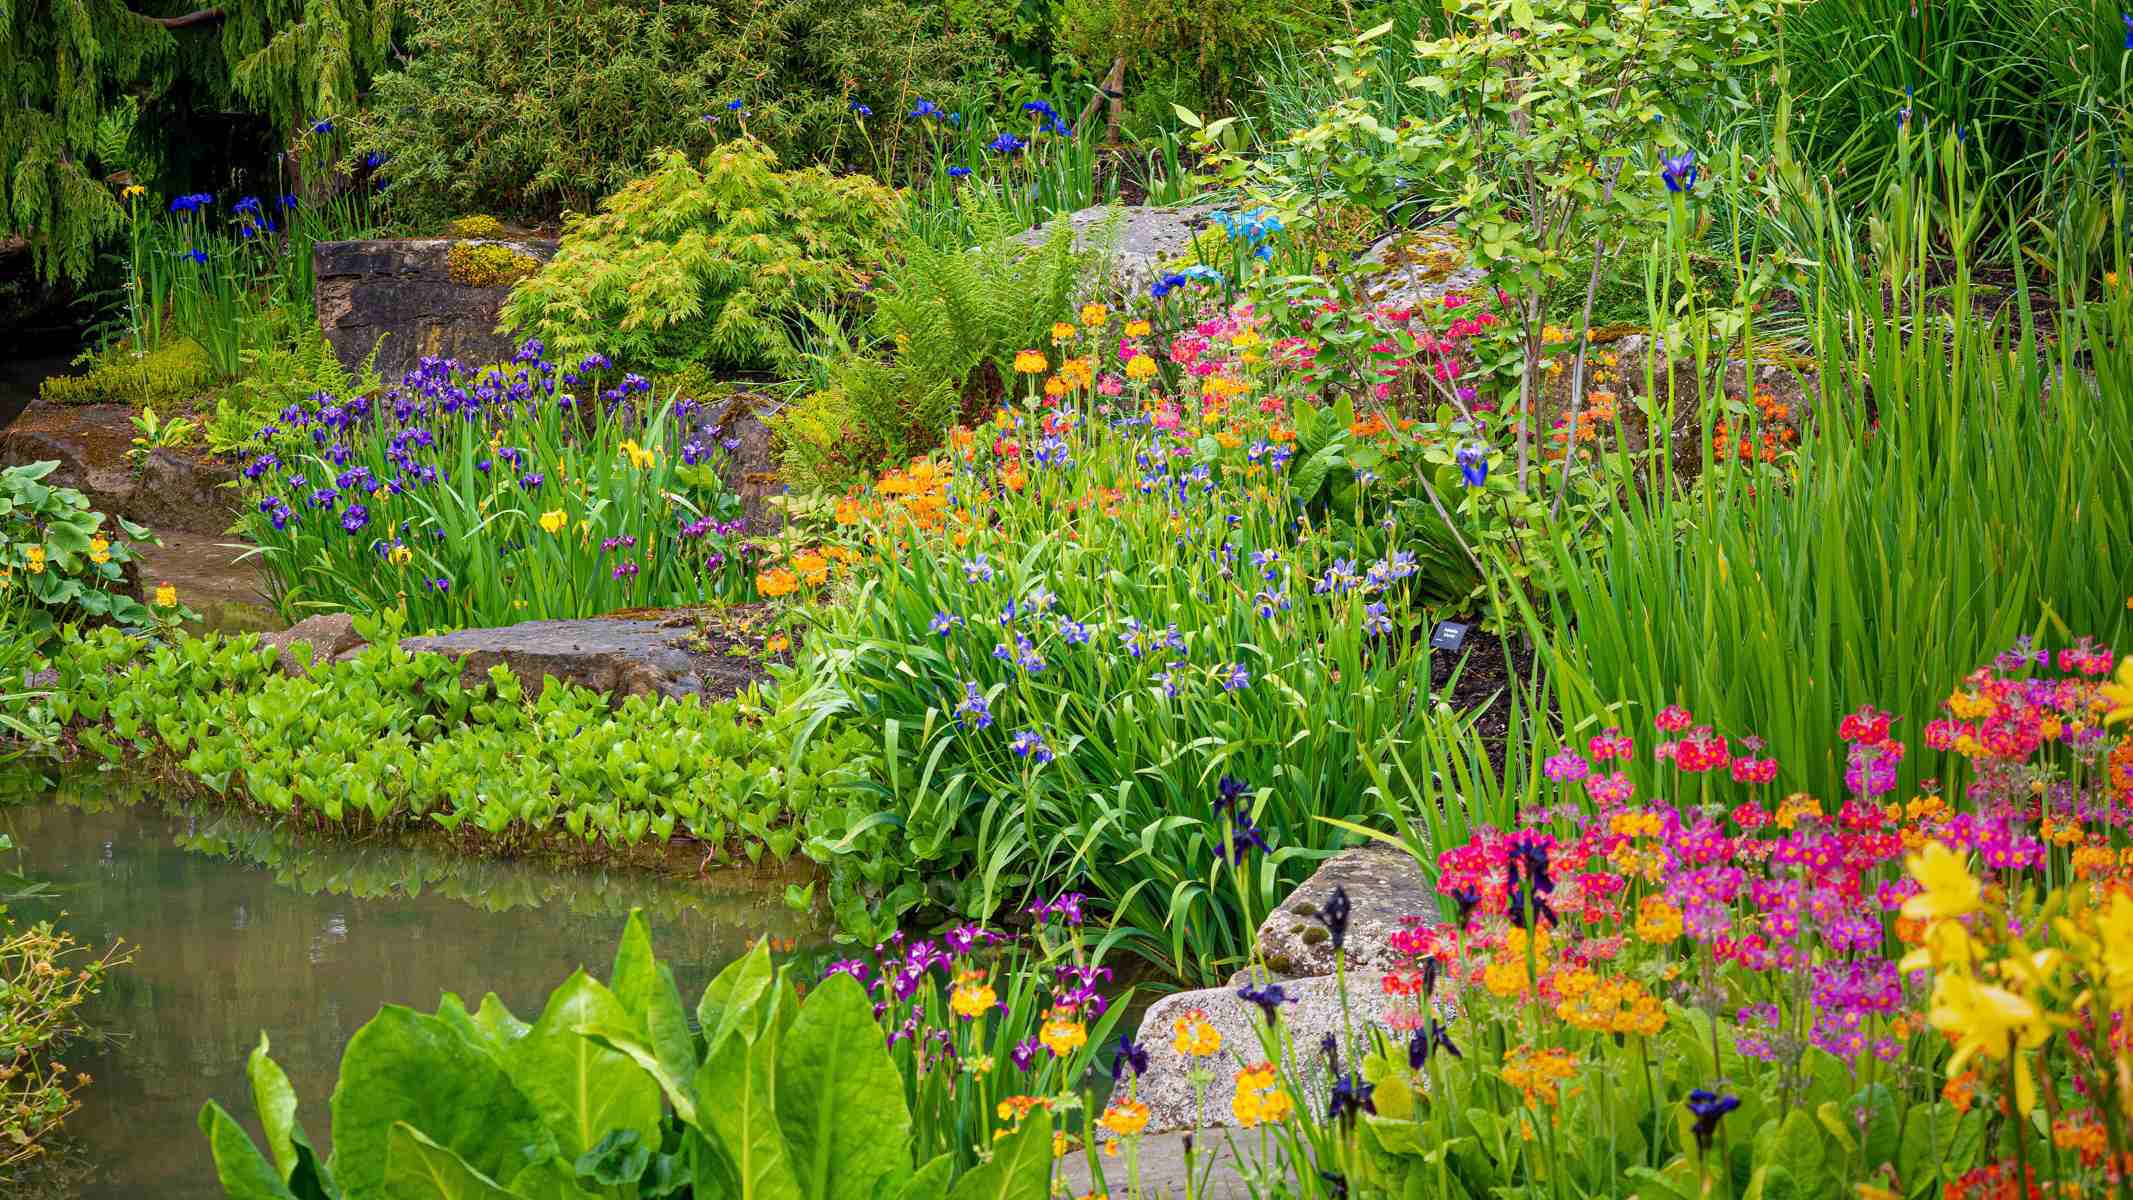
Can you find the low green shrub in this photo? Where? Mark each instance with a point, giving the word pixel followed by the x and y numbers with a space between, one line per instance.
pixel 289 372
pixel 486 264
pixel 533 108
pixel 169 376
pixel 397 741
pixel 476 225
pixel 711 263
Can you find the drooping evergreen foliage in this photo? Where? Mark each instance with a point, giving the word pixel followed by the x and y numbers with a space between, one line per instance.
pixel 67 66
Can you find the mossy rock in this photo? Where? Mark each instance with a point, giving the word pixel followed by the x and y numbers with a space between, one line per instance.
pixel 164 376
pixel 477 225
pixel 488 264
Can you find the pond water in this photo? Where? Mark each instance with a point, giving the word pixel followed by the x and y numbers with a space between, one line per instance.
pixel 239 927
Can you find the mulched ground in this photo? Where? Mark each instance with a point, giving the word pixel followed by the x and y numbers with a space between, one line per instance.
pixel 1485 667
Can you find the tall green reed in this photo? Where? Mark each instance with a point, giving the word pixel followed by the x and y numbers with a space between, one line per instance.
pixel 1963 481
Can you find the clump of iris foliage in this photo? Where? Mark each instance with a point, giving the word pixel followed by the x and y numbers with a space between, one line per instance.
pixel 517 492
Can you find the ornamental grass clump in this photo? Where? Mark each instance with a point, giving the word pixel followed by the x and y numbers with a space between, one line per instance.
pixel 1675 977
pixel 465 497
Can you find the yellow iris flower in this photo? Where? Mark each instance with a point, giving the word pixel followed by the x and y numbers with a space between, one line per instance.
pixel 2119 695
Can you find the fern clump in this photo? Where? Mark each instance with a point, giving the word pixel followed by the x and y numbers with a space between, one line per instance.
pixel 948 322
pixel 291 372
pixel 168 376
pixel 717 263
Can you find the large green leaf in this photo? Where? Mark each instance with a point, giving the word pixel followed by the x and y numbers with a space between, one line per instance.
pixel 929 1180
pixel 583 1089
pixel 243 1171
pixel 840 1100
pixel 417 1168
pixel 276 1101
pixel 647 990
pixel 730 1001
pixel 627 1038
pixel 1020 1168
pixel 406 1066
pixel 735 1108
pixel 550 1180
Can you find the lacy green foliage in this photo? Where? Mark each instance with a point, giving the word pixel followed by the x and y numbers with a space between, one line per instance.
pixel 397 741
pixel 529 108
pixel 950 321
pixel 169 375
pixel 488 264
pixel 478 225
pixel 55 550
pixel 609 1093
pixel 65 64
pixel 45 978
pixel 717 263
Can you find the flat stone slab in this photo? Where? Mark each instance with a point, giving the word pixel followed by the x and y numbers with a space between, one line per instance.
pixel 1385 891
pixel 668 656
pixel 1169 1089
pixel 170 490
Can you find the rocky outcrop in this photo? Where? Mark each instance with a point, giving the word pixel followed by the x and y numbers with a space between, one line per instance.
pixel 1146 240
pixel 1385 889
pixel 170 490
pixel 423 297
pixel 329 636
pixel 667 655
pixel 740 429
pixel 1386 893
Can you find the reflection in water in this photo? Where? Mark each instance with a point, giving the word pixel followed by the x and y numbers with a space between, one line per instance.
pixel 238 928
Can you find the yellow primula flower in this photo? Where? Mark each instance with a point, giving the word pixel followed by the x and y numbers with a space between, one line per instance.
pixel 1063 332
pixel 973 996
pixel 166 596
pixel 1063 1033
pixel 33 558
pixel 99 551
pixel 1138 328
pixel 1032 362
pixel 1196 1036
pixel 1140 368
pixel 1094 314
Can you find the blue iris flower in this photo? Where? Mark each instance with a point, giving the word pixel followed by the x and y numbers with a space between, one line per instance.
pixel 1679 171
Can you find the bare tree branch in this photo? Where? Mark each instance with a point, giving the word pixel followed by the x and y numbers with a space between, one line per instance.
pixel 206 16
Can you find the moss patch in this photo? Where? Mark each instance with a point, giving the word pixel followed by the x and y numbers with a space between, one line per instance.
pixel 477 225
pixel 488 264
pixel 165 376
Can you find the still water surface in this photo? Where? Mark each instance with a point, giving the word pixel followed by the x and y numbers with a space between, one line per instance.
pixel 239 927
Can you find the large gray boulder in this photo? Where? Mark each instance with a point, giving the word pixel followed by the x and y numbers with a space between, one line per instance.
pixel 425 297
pixel 1174 1087
pixel 170 490
pixel 1142 241
pixel 663 655
pixel 1386 893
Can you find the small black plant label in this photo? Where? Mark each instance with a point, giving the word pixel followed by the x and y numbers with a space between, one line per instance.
pixel 1448 635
